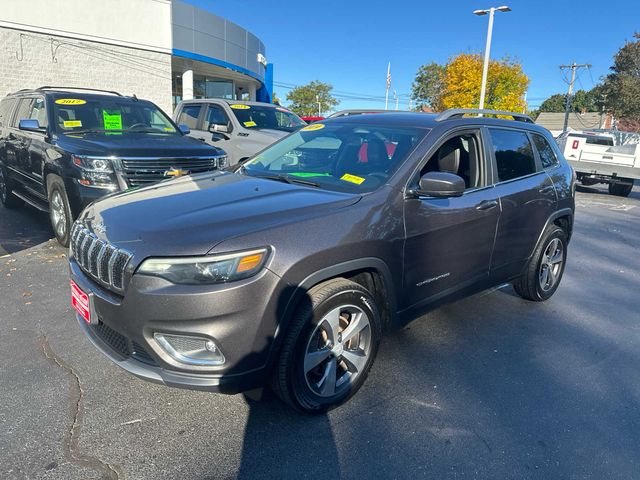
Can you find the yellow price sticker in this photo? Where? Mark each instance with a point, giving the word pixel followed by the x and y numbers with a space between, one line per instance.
pixel 250 124
pixel 72 123
pixel 313 127
pixel 240 106
pixel 70 101
pixel 347 177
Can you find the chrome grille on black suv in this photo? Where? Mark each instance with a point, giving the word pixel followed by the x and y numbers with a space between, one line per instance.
pixel 144 171
pixel 100 260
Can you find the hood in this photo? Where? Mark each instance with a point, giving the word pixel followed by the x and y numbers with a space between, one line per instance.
pixel 135 145
pixel 192 214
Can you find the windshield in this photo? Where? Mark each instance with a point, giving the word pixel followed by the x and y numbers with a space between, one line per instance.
pixel 347 157
pixel 109 116
pixel 263 116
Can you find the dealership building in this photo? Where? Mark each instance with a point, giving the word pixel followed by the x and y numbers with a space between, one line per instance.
pixel 161 50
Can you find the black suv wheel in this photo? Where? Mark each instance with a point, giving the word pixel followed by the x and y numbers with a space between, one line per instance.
pixel 59 209
pixel 8 199
pixel 545 268
pixel 330 347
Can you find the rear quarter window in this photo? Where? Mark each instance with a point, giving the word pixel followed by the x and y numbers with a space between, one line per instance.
pixel 513 154
pixel 548 156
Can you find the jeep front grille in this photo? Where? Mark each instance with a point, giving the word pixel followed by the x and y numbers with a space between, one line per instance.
pixel 138 172
pixel 100 260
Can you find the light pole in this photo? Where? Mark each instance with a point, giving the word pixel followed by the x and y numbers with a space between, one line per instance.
pixel 487 48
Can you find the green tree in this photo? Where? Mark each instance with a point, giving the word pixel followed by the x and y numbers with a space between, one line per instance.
pixel 275 99
pixel 304 99
pixel 428 85
pixel 622 85
pixel 582 101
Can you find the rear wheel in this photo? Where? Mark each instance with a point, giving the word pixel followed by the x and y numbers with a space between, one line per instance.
pixel 8 199
pixel 59 210
pixel 621 189
pixel 330 347
pixel 545 268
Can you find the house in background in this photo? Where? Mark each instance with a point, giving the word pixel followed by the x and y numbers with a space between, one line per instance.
pixel 554 122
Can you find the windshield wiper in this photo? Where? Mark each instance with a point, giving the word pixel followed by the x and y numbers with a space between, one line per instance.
pixel 283 178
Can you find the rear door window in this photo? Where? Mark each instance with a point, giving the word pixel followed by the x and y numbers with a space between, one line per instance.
pixel 545 151
pixel 513 153
pixel 189 115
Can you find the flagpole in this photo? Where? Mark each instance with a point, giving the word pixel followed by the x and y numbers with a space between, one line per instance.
pixel 386 96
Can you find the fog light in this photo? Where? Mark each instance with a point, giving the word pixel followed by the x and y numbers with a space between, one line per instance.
pixel 190 350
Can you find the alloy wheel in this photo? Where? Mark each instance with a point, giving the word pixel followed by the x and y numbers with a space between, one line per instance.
pixel 58 214
pixel 337 351
pixel 551 265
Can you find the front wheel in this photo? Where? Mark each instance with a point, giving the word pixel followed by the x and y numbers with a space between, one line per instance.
pixel 545 268
pixel 329 348
pixel 59 210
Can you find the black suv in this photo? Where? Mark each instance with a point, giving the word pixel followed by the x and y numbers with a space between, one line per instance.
pixel 60 149
pixel 287 270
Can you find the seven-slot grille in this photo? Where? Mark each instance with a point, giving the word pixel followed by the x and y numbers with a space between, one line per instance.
pixel 144 171
pixel 99 259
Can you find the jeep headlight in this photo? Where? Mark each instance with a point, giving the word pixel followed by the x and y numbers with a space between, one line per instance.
pixel 207 269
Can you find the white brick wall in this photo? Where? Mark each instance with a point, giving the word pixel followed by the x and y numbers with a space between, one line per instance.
pixel 68 62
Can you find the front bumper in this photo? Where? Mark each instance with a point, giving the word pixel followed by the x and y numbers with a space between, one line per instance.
pixel 239 317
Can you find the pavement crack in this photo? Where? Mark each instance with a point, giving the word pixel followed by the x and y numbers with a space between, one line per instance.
pixel 72 437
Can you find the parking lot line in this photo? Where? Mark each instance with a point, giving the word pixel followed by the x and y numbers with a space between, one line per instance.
pixel 3 252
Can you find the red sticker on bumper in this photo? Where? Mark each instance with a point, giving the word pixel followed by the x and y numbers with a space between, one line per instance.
pixel 80 301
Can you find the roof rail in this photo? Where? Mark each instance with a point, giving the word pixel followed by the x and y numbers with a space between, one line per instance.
pixel 48 87
pixel 460 112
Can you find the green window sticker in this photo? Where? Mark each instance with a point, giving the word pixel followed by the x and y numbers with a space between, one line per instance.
pixel 112 119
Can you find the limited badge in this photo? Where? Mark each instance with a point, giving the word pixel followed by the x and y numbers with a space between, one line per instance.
pixel 70 101
pixel 313 127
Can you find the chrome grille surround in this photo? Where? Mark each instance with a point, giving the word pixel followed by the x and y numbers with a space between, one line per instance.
pixel 141 171
pixel 100 260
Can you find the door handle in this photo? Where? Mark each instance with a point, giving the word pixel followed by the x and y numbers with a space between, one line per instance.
pixel 487 205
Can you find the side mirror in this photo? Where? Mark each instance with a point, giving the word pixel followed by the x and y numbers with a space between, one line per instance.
pixel 184 128
pixel 29 125
pixel 218 128
pixel 440 185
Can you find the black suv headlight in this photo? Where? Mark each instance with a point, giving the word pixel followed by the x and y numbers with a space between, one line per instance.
pixel 206 270
pixel 222 162
pixel 96 172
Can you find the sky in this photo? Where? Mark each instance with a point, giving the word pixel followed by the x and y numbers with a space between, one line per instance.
pixel 348 43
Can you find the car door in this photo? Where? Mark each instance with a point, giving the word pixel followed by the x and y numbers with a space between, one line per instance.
pixel 527 198
pixel 449 241
pixel 17 148
pixel 37 145
pixel 6 116
pixel 191 115
pixel 216 115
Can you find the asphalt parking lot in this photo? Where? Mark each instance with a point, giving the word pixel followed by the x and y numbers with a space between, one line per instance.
pixel 488 387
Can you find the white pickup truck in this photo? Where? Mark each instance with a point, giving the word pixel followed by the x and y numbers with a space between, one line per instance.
pixel 596 159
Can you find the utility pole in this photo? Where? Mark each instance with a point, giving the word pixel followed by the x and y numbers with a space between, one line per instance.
pixel 604 100
pixel 574 66
pixel 319 105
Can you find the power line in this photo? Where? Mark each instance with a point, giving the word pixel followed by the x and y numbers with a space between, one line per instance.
pixel 574 66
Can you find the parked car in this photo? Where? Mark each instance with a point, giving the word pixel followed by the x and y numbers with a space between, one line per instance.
pixel 596 159
pixel 241 128
pixel 60 150
pixel 287 271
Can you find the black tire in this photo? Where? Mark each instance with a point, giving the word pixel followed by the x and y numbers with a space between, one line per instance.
pixel 533 284
pixel 292 382
pixel 59 209
pixel 8 199
pixel 620 189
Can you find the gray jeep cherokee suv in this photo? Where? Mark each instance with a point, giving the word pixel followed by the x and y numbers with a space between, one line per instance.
pixel 287 270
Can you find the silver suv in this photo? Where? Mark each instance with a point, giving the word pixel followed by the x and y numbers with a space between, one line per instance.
pixel 241 128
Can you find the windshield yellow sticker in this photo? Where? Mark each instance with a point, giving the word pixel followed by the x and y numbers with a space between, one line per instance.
pixel 71 123
pixel 70 101
pixel 313 127
pixel 250 124
pixel 347 177
pixel 112 119
pixel 169 129
pixel 240 106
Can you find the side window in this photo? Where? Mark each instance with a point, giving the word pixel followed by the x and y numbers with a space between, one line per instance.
pixel 6 107
pixel 39 112
pixel 459 155
pixel 24 110
pixel 216 115
pixel 513 152
pixel 547 155
pixel 189 115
